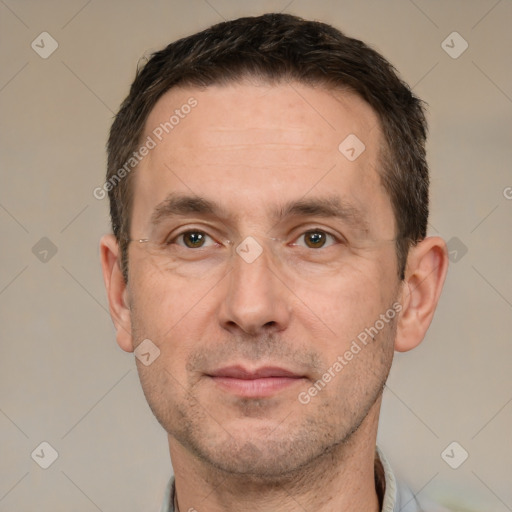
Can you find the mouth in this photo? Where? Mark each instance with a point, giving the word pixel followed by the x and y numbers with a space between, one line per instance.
pixel 260 383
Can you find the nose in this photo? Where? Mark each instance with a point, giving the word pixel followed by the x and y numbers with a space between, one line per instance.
pixel 256 300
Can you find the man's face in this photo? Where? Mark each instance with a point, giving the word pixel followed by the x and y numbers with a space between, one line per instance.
pixel 241 340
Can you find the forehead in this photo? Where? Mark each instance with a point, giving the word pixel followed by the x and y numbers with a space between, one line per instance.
pixel 286 109
pixel 249 145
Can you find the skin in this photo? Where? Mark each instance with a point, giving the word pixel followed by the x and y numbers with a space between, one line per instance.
pixel 252 148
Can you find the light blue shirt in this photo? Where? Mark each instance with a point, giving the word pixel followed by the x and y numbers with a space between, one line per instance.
pixel 397 496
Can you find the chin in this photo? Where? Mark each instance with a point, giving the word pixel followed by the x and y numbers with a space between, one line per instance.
pixel 262 457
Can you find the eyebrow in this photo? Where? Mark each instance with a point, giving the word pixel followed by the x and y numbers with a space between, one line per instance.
pixel 330 207
pixel 177 204
pixel 326 206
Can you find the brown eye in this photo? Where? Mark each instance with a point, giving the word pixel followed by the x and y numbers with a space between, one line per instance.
pixel 315 239
pixel 193 239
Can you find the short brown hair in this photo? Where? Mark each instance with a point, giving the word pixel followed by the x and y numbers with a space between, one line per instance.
pixel 276 48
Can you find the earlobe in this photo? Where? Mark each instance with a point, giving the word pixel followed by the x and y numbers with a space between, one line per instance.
pixel 117 291
pixel 427 265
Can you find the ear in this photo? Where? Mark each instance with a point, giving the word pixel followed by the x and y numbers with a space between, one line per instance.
pixel 427 265
pixel 117 291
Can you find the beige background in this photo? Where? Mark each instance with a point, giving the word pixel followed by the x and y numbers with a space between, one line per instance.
pixel 62 377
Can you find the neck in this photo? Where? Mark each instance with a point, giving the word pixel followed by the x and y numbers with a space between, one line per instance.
pixel 340 480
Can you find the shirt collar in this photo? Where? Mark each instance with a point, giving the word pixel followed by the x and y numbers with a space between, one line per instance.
pixel 385 482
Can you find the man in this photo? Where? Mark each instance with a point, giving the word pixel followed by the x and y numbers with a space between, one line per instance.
pixel 269 201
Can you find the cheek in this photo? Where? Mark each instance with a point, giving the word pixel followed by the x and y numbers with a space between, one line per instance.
pixel 347 307
pixel 353 293
pixel 174 312
pixel 162 296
